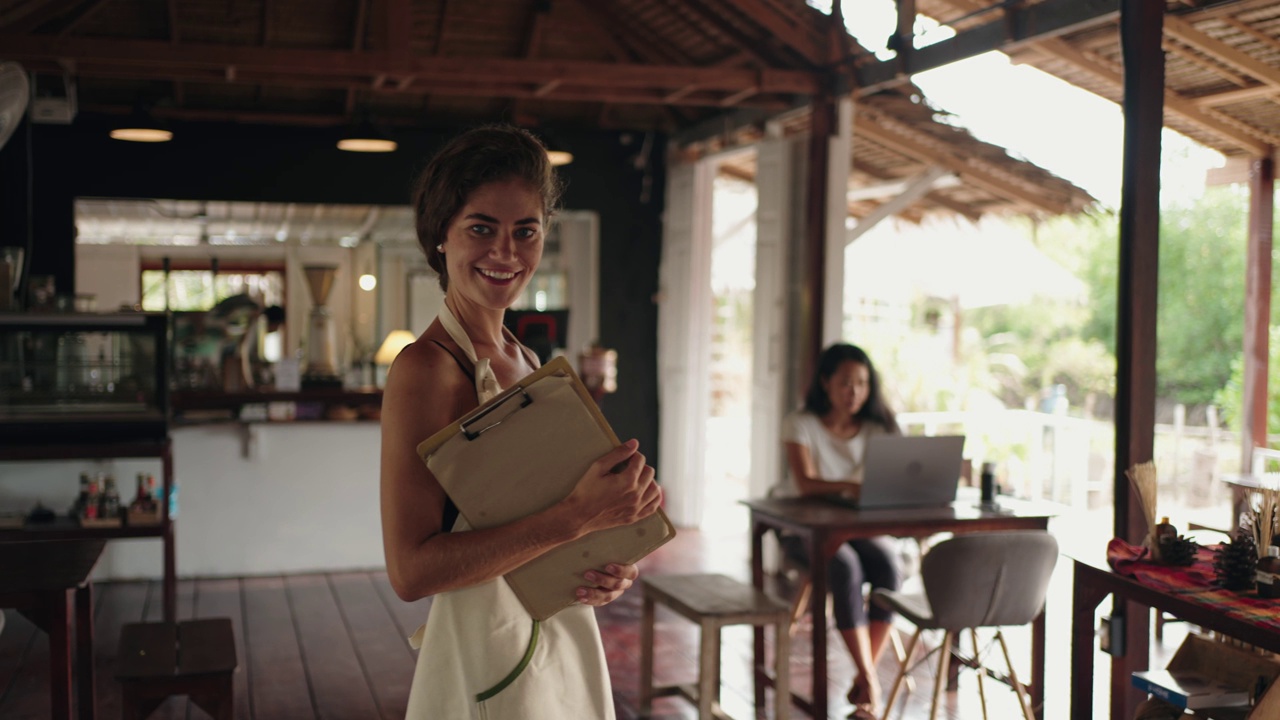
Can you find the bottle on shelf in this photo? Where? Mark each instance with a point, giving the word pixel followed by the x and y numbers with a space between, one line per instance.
pixel 77 508
pixel 89 511
pixel 1267 574
pixel 142 500
pixel 110 503
pixel 1164 532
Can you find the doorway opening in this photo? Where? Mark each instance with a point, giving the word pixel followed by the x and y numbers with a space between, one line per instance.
pixel 728 458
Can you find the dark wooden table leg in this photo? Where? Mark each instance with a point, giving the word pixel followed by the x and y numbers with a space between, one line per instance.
pixel 59 630
pixel 758 662
pixel 1084 601
pixel 170 581
pixel 84 652
pixel 818 612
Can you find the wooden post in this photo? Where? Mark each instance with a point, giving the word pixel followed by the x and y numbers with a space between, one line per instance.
pixel 813 292
pixel 1141 28
pixel 1257 309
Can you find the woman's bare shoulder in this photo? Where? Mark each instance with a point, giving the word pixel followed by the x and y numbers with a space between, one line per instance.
pixel 428 366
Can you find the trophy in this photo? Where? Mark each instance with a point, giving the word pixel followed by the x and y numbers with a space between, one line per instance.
pixel 320 368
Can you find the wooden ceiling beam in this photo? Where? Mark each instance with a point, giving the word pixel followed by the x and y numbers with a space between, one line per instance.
pixel 1216 123
pixel 900 140
pixel 399 27
pixel 716 19
pixel 268 21
pixel 530 46
pixel 1262 38
pixel 1222 52
pixel 635 37
pixel 86 11
pixel 491 88
pixel 967 210
pixel 786 28
pixel 27 16
pixel 1173 47
pixel 1228 97
pixel 346 64
pixel 1019 26
pixel 442 20
pixel 357 44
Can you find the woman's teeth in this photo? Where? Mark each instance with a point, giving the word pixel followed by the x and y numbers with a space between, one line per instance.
pixel 497 275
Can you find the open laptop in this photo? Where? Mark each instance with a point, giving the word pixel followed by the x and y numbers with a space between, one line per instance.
pixel 911 471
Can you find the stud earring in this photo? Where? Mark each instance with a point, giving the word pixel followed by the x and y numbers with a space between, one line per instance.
pixel 440 248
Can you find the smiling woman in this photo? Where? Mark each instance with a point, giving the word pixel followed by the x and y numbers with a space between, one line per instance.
pixel 482 208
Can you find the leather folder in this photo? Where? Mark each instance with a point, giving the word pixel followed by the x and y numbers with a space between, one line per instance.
pixel 524 451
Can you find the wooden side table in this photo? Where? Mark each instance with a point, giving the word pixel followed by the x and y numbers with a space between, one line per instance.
pixel 43 580
pixel 713 601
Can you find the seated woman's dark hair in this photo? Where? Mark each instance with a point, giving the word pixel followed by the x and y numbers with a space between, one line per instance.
pixel 482 155
pixel 875 408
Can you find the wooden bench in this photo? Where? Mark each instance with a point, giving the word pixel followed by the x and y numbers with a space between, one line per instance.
pixel 712 601
pixel 194 658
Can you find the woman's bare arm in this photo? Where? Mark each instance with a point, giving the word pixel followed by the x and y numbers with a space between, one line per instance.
pixel 425 392
pixel 805 472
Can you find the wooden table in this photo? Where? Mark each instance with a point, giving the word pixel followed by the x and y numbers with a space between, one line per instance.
pixel 42 580
pixel 825 526
pixel 1093 580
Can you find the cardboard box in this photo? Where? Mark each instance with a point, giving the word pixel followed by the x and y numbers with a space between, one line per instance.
pixel 1207 673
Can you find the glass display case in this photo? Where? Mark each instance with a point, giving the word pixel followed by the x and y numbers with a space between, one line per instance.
pixel 83 378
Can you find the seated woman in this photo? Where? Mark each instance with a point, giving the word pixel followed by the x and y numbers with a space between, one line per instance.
pixel 825 443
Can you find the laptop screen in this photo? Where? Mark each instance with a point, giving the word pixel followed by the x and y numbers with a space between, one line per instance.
pixel 911 471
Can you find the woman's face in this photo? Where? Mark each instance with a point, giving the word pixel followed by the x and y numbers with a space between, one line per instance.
pixel 848 387
pixel 494 244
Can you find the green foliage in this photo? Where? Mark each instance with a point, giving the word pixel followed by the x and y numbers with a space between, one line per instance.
pixel 1231 397
pixel 1200 314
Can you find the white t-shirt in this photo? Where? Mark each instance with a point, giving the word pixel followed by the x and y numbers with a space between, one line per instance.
pixel 836 460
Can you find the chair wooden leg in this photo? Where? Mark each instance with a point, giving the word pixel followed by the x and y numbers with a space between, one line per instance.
pixel 902 671
pixel 781 673
pixel 646 656
pixel 944 660
pixel 709 672
pixel 977 660
pixel 904 658
pixel 799 605
pixel 1024 702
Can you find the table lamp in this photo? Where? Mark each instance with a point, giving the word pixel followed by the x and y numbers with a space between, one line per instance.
pixel 395 342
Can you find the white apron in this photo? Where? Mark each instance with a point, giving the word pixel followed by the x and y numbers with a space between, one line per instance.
pixel 476 636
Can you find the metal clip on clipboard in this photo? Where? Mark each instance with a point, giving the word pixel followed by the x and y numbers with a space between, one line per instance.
pixel 519 389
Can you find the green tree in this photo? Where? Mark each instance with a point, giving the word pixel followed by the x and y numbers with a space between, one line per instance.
pixel 1231 397
pixel 1200 314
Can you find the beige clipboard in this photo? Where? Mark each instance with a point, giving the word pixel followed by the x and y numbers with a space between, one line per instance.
pixel 524 451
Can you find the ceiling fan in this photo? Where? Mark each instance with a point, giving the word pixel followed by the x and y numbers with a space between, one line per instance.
pixel 15 93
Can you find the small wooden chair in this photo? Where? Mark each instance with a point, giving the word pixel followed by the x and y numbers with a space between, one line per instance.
pixel 194 658
pixel 712 601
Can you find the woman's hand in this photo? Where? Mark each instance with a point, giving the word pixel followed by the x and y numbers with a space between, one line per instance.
pixel 618 489
pixel 605 586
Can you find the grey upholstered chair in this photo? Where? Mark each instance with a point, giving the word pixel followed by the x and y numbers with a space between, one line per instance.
pixel 976 581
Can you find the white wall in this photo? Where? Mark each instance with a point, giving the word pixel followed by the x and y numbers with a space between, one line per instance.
pixel 306 499
pixel 110 273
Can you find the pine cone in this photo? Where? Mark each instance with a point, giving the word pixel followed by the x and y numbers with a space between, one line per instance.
pixel 1234 562
pixel 1180 550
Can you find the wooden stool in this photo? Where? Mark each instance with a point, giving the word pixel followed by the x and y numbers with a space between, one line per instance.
pixel 713 601
pixel 194 658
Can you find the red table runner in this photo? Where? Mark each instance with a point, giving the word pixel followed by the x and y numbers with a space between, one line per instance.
pixel 1194 583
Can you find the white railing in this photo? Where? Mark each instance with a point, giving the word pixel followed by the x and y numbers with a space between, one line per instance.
pixel 1071 460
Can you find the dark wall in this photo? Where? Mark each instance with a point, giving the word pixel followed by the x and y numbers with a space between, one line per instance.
pixel 617 175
